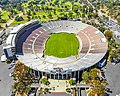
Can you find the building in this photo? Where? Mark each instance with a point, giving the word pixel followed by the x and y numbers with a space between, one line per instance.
pixel 27 43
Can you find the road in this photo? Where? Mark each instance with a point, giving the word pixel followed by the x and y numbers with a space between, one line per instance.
pixel 113 78
pixel 6 81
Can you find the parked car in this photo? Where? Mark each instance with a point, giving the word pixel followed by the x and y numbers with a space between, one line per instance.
pixel 11 74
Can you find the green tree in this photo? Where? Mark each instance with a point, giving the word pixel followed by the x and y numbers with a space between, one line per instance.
pixel 46 90
pixel 68 5
pixel 19 18
pixel 40 92
pixel 50 15
pixel 114 54
pixel 75 8
pixel 93 74
pixel 85 77
pixel 0 14
pixel 68 90
pixel 8 61
pixel 96 86
pixel 21 87
pixel 118 19
pixel 3 21
pixel 72 82
pixel 108 34
pixel 44 81
pixel 102 28
pixel 23 78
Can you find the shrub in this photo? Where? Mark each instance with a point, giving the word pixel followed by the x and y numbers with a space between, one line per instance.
pixel 44 81
pixel 46 90
pixel 68 90
pixel 8 61
pixel 71 82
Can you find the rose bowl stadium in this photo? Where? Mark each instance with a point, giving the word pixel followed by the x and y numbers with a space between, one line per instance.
pixel 57 49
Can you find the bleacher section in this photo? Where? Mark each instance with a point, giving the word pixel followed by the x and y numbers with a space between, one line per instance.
pixel 23 35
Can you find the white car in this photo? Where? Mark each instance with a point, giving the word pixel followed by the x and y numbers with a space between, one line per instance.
pixel 3 58
pixel 11 74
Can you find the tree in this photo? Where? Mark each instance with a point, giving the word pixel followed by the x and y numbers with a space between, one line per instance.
pixel 75 8
pixel 93 74
pixel 114 54
pixel 68 5
pixel 72 82
pixel 99 19
pixel 22 78
pixel 96 85
pixel 70 14
pixel 46 90
pixel 44 81
pixel 118 19
pixel 102 29
pixel 68 90
pixel 8 61
pixel 3 21
pixel 0 28
pixel 50 15
pixel 0 14
pixel 85 77
pixel 21 88
pixel 108 34
pixel 28 18
pixel 19 18
pixel 40 91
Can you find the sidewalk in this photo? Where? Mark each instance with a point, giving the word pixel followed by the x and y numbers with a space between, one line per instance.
pixel 57 85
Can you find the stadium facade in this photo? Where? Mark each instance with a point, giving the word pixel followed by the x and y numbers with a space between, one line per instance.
pixel 27 43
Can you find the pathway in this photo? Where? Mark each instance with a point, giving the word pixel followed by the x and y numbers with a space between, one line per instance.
pixel 59 85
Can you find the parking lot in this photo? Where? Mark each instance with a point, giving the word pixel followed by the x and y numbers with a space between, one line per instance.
pixel 6 81
pixel 113 77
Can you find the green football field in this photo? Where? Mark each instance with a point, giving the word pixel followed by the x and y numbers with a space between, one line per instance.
pixel 62 45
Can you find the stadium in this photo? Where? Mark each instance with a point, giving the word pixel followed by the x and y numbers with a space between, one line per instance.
pixel 57 49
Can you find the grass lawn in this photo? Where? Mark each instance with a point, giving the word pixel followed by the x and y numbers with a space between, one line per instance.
pixel 62 45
